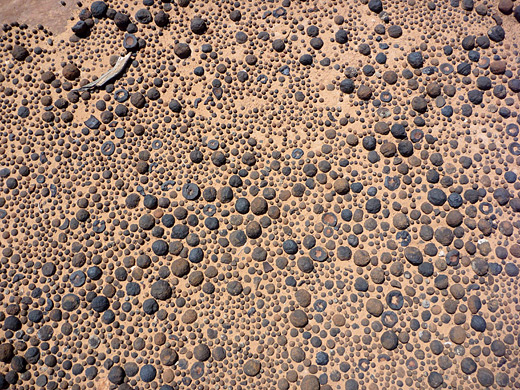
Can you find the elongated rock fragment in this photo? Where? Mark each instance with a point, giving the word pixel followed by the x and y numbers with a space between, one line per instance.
pixel 106 77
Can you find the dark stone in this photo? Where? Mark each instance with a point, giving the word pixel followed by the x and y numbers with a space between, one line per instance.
pixel 480 266
pixel 116 375
pixel 6 352
pixel 496 33
pixel 437 197
pixel 419 104
pixel 100 303
pixel 252 367
pixel 415 59
pixel 161 290
pixel 70 302
pixel 137 100
pixel 278 45
pixel 148 373
pixel 344 253
pixel 182 50
pixel 375 6
pixel 364 92
pixel 306 60
pixel 405 148
pixel 485 377
pixel 238 238
pixel 150 306
pixel 310 382
pixel 502 196
pixel 341 36
pixel 198 26
pixel 444 236
pixel 394 300
pixel 468 366
pixel 347 86
pixel 361 284
pixel 435 380
pixel 161 19
pixel 305 264
pixel 70 72
pixel 160 247
pixel 475 96
pixel 121 20
pixel 290 247
pixel 413 255
pixel 511 269
pixel 143 16
pixel 394 31
pixel 19 53
pixel 234 288
pixel 298 318
pixel 98 9
pixel 478 323
pixel 351 384
pixel 373 206
pixel 468 43
pixel 191 191
pixel 389 340
pixel 81 29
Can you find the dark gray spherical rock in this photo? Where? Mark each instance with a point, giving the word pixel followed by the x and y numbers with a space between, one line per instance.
pixel 70 72
pixel 161 290
pixel 116 375
pixel 413 255
pixel 98 9
pixel 351 384
pixel 373 206
pixel 375 6
pixel 394 31
pixel 347 86
pixel 161 19
pixel 234 288
pixel 148 373
pixel 198 26
pixel 100 303
pixel 437 197
pixel 468 366
pixel 415 59
pixel 496 33
pixel 485 377
pixel 6 352
pixel 238 238
pixel 389 340
pixel 169 357
pixel 182 50
pixel 435 380
pixel 143 16
pixel 160 248
pixel 478 323
pixel 201 352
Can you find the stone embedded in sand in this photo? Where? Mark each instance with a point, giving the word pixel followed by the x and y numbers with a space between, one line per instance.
pixel 70 72
pixel 182 50
pixel 298 318
pixel 243 177
pixel 310 382
pixel 457 334
pixel 19 53
pixel 198 26
pixel 252 367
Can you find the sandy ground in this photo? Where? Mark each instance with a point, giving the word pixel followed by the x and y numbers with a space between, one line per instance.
pixel 56 18
pixel 52 14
